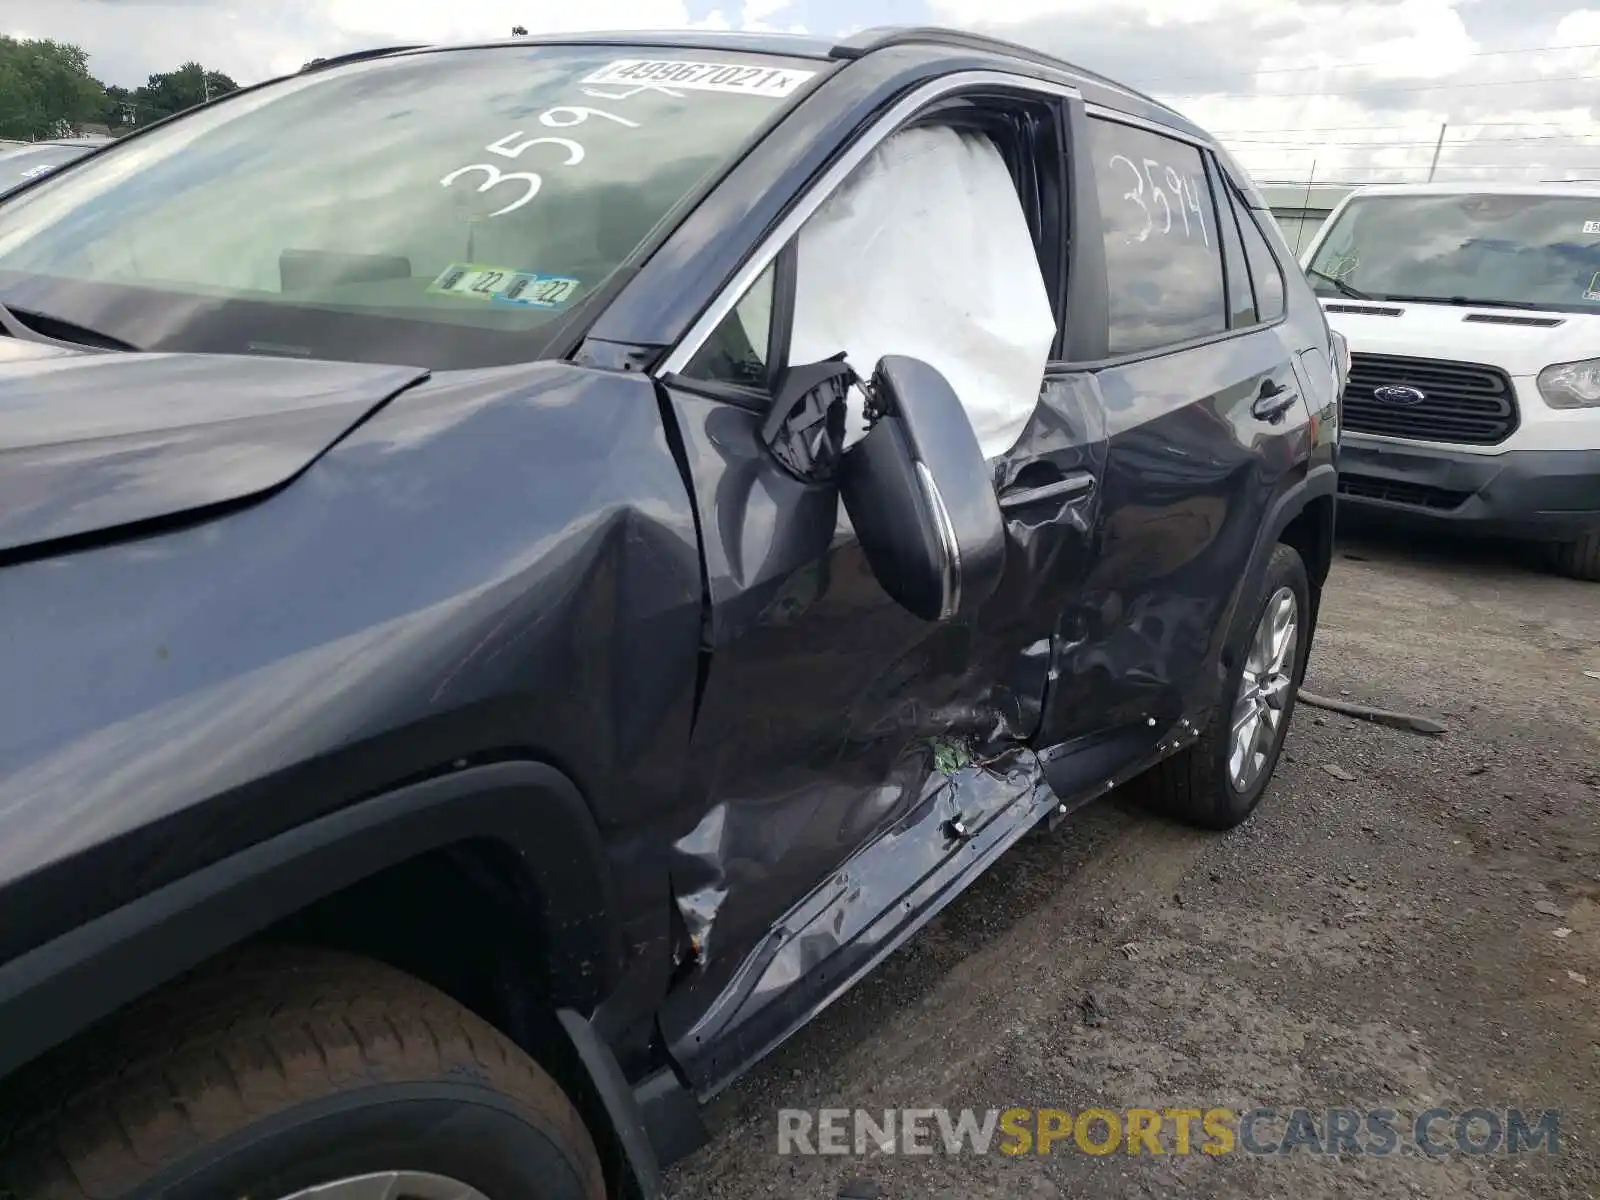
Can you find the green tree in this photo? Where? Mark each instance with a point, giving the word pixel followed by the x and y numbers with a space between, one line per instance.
pixel 519 31
pixel 173 91
pixel 45 88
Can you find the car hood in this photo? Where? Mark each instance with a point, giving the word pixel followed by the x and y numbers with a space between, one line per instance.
pixel 90 442
pixel 1518 341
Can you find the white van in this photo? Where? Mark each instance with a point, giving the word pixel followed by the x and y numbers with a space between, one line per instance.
pixel 1472 314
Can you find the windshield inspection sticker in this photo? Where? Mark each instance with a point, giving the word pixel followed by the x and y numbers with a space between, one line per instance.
pixel 527 290
pixel 1591 226
pixel 470 281
pixel 773 82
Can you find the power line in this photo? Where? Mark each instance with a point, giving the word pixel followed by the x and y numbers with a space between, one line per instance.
pixel 1300 143
pixel 1264 171
pixel 1431 87
pixel 1407 125
pixel 1351 66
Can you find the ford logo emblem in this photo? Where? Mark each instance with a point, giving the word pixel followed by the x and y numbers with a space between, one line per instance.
pixel 1401 394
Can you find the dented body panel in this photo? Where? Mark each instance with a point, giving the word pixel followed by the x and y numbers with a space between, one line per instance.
pixel 435 589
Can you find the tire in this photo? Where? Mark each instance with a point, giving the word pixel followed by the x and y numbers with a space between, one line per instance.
pixel 278 1070
pixel 1197 785
pixel 1579 559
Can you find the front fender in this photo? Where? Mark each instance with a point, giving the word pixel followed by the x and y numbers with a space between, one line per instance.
pixel 59 988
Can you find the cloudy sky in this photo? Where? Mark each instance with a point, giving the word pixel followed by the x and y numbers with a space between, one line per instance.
pixel 1357 87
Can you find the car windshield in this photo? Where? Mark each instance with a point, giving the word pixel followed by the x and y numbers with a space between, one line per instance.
pixel 1530 251
pixel 444 209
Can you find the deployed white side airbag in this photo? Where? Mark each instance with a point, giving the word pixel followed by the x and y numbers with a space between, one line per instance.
pixel 925 251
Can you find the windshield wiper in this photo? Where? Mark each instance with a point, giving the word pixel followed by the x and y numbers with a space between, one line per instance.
pixel 1344 288
pixel 1458 301
pixel 79 337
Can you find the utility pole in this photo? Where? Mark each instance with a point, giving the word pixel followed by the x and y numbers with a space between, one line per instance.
pixel 205 88
pixel 1438 146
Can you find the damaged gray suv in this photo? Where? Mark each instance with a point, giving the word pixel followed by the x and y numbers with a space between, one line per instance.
pixel 528 569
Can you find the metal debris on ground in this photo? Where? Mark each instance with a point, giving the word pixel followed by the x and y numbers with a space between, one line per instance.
pixel 1406 722
pixel 1562 933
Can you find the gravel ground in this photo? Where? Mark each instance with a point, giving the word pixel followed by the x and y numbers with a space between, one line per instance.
pixel 1407 922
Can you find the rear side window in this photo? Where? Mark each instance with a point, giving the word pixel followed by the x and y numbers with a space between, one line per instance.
pixel 1163 264
pixel 1265 272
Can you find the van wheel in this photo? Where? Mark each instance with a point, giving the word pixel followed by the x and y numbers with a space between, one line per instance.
pixel 1580 559
pixel 294 1075
pixel 1217 782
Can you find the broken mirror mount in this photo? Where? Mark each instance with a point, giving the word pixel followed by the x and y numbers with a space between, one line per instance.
pixel 804 428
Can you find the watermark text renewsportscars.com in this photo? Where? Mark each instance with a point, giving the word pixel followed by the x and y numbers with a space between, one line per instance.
pixel 1377 1132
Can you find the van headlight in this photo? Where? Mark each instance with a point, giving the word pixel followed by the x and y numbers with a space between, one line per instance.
pixel 1571 385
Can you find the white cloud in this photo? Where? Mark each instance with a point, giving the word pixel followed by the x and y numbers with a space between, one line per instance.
pixel 1275 79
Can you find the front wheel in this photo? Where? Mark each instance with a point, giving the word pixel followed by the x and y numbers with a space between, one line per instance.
pixel 1217 782
pixel 285 1075
pixel 1579 559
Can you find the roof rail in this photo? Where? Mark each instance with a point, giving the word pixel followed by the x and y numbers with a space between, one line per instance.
pixel 318 64
pixel 881 37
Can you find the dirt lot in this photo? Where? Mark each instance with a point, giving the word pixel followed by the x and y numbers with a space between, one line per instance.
pixel 1388 934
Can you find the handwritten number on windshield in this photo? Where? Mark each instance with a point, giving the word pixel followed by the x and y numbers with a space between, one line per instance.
pixel 1178 198
pixel 1137 195
pixel 562 116
pixel 1155 190
pixel 1175 182
pixel 494 178
pixel 1192 204
pixel 577 114
pixel 574 151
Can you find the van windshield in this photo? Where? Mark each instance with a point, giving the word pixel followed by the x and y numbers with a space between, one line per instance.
pixel 1527 251
pixel 442 209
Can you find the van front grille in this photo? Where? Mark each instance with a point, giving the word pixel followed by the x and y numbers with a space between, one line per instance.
pixel 1466 403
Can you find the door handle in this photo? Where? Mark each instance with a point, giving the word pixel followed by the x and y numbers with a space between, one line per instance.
pixel 1273 401
pixel 1079 483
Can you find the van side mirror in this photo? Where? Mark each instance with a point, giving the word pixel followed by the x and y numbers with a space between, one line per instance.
pixel 920 495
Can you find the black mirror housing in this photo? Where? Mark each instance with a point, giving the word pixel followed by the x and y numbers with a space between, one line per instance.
pixel 920 495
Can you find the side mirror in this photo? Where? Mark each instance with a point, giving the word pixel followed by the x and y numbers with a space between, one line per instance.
pixel 921 497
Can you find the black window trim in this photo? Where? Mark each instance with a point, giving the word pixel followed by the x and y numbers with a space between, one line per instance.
pixel 1204 145
pixel 1283 279
pixel 1220 200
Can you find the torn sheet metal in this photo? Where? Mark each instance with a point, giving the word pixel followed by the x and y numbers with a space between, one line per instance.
pixel 953 812
pixel 925 251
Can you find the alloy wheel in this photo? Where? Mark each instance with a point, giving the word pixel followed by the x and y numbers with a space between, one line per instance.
pixel 1265 689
